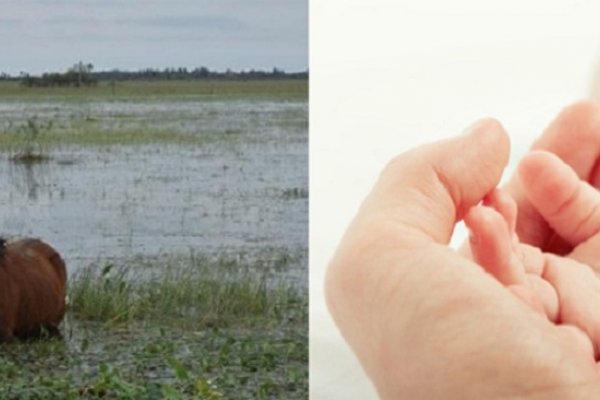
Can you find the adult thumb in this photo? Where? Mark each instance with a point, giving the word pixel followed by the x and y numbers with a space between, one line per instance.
pixel 425 191
pixel 393 255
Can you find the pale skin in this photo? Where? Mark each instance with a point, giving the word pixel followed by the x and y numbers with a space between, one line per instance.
pixel 427 322
pixel 560 288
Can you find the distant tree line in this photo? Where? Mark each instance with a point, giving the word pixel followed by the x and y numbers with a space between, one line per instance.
pixel 83 75
pixel 196 73
pixel 79 75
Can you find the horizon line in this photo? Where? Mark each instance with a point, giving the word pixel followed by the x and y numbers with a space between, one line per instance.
pixel 162 70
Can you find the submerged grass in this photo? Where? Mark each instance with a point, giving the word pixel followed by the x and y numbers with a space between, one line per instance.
pixel 15 142
pixel 33 138
pixel 204 329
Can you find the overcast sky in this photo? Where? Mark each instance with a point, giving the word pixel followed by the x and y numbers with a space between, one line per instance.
pixel 51 35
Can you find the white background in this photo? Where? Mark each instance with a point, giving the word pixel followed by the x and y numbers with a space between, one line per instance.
pixel 387 75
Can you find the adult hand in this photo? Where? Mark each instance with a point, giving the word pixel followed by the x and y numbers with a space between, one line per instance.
pixel 424 321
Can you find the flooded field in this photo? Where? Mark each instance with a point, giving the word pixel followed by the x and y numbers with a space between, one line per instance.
pixel 183 219
pixel 239 184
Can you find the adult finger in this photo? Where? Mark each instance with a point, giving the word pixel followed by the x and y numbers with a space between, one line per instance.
pixel 569 205
pixel 426 190
pixel 574 136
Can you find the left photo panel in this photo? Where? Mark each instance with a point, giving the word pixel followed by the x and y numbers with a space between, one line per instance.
pixel 154 217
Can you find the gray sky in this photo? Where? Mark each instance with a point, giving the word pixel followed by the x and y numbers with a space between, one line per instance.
pixel 51 35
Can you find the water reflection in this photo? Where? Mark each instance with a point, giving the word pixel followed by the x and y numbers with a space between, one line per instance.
pixel 27 177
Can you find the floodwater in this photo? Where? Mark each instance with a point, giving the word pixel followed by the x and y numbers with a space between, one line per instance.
pixel 95 203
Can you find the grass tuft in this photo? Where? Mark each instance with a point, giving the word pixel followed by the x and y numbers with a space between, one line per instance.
pixel 206 293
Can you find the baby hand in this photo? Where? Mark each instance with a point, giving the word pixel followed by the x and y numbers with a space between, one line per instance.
pixel 561 288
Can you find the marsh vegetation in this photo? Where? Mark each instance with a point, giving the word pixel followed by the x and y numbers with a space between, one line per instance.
pixel 200 327
pixel 181 209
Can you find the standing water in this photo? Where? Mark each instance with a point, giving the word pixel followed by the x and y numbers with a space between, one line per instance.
pixel 202 175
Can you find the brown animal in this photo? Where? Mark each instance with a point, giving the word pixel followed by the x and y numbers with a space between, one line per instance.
pixel 33 281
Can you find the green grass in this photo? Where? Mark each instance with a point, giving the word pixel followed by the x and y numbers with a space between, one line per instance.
pixel 72 124
pixel 193 328
pixel 204 293
pixel 150 89
pixel 32 135
pixel 16 142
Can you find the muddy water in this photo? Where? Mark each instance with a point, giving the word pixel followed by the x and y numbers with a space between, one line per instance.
pixel 119 202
